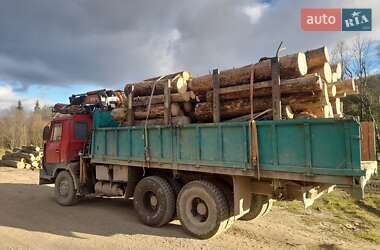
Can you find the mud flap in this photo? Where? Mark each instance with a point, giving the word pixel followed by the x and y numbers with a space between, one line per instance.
pixel 359 184
pixel 45 178
pixel 313 194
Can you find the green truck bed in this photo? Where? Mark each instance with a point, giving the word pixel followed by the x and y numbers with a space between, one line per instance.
pixel 309 148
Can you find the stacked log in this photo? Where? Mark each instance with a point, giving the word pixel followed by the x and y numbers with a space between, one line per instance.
pixel 309 86
pixel 28 157
pixel 157 101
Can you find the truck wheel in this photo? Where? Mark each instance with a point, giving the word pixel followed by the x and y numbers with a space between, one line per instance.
pixel 230 200
pixel 154 201
pixel 64 190
pixel 260 205
pixel 202 209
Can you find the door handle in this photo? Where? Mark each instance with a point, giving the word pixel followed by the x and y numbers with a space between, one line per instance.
pixel 57 150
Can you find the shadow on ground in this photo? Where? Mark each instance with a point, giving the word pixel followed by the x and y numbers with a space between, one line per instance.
pixel 373 210
pixel 32 207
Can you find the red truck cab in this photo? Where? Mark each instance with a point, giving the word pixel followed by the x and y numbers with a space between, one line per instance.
pixel 65 138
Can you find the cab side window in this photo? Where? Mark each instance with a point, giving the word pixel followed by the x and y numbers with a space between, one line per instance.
pixel 80 131
pixel 56 134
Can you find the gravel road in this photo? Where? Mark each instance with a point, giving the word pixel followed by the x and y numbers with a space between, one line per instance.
pixel 30 219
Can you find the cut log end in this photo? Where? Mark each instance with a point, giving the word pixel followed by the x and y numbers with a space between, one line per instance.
pixel 324 72
pixel 288 112
pixel 332 90
pixel 326 53
pixel 181 84
pixel 337 69
pixel 302 64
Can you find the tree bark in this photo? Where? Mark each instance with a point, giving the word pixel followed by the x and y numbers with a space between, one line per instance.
pixel 156 111
pixel 317 57
pixel 119 114
pixel 187 107
pixel 346 87
pixel 28 158
pixel 306 84
pixel 335 103
pixel 291 66
pixel 178 85
pixel 159 99
pixel 235 108
pixel 177 121
pixel 13 164
pixel 184 74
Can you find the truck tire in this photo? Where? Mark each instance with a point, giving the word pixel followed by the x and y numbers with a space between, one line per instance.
pixel 260 205
pixel 154 201
pixel 228 194
pixel 202 209
pixel 64 190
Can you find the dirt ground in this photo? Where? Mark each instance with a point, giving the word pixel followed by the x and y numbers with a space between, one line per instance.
pixel 30 219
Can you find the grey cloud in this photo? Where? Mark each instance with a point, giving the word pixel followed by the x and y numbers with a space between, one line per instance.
pixel 109 42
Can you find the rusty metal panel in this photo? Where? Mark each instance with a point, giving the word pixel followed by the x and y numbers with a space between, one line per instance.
pixel 368 145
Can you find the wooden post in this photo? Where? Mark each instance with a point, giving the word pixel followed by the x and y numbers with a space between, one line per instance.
pixel 276 95
pixel 130 109
pixel 216 98
pixel 167 103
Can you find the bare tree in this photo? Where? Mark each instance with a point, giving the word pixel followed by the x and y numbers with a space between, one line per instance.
pixel 355 60
pixel 340 55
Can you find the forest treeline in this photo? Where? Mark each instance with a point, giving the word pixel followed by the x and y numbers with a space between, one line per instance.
pixel 20 127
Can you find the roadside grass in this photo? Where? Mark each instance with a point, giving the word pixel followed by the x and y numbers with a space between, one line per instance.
pixel 2 152
pixel 360 219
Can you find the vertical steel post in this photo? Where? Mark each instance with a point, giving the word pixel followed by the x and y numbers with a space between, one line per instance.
pixel 130 109
pixel 167 103
pixel 216 98
pixel 276 95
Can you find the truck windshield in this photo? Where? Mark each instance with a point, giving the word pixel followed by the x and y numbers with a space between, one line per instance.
pixel 80 130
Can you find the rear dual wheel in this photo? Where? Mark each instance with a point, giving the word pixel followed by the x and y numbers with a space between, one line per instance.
pixel 154 201
pixel 203 209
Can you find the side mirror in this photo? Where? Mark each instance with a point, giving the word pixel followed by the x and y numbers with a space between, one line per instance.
pixel 46 133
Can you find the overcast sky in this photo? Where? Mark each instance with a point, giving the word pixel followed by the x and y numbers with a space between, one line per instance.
pixel 50 49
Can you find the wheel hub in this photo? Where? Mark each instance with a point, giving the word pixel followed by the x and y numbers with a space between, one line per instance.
pixel 64 188
pixel 153 201
pixel 201 208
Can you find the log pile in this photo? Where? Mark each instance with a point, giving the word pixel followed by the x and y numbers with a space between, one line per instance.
pixel 309 87
pixel 26 157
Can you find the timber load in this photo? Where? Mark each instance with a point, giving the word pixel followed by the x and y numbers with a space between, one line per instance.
pixel 310 86
pixel 26 157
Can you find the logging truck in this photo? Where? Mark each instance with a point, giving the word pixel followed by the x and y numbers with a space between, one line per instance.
pixel 207 175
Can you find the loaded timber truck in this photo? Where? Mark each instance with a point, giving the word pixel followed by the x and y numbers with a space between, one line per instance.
pixel 206 175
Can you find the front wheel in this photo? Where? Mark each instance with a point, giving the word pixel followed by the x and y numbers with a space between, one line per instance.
pixel 64 192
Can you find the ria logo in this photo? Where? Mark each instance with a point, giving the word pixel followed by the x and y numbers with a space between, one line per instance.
pixel 357 19
pixel 336 19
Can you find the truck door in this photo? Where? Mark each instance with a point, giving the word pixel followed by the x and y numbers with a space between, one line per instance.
pixel 53 146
